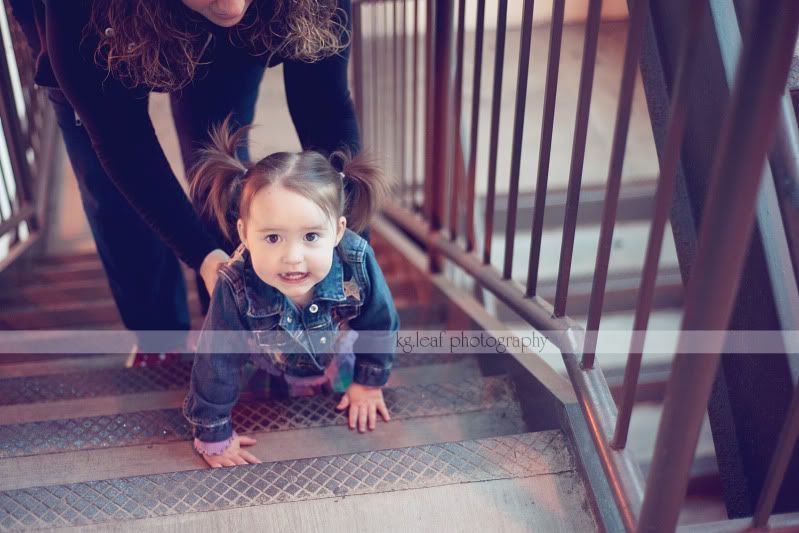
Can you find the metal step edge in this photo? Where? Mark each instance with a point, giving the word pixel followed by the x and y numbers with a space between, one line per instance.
pixel 112 463
pixel 550 503
pixel 167 425
pixel 121 381
pixel 42 365
pixel 517 456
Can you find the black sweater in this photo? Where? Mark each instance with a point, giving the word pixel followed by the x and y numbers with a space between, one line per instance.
pixel 118 123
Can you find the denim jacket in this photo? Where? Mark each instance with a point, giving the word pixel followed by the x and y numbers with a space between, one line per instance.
pixel 246 313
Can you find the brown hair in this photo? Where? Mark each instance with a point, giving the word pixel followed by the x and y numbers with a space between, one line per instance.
pixel 159 43
pixel 222 186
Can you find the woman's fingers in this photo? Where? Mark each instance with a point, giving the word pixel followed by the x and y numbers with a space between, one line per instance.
pixel 362 417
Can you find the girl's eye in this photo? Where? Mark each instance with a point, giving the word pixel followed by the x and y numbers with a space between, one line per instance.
pixel 311 237
pixel 272 238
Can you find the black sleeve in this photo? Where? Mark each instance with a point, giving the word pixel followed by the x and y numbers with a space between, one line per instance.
pixel 118 123
pixel 319 99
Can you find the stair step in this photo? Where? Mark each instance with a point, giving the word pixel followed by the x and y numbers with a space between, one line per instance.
pixel 125 381
pixel 166 425
pixel 547 502
pixel 37 365
pixel 523 456
pixel 102 314
pixel 109 463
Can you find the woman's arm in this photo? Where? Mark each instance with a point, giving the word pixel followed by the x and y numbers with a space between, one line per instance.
pixel 117 121
pixel 319 99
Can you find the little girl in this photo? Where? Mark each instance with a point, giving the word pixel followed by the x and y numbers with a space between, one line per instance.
pixel 295 293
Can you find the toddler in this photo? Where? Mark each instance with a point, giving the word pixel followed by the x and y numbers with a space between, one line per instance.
pixel 295 293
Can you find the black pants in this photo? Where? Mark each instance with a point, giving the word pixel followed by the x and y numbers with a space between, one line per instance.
pixel 144 274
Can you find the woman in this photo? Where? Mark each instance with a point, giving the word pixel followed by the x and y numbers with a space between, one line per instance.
pixel 101 59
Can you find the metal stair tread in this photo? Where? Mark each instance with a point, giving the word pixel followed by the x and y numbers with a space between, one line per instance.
pixel 417 467
pixel 166 425
pixel 124 381
pixel 103 312
pixel 177 456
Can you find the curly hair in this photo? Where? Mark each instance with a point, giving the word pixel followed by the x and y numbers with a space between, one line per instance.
pixel 159 43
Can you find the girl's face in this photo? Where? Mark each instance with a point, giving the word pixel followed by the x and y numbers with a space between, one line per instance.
pixel 224 13
pixel 291 241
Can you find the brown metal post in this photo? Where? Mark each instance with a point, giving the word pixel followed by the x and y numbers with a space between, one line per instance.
pixel 472 172
pixel 638 17
pixel 357 59
pixel 663 200
pixel 375 96
pixel 545 148
pixel 729 214
pixel 457 143
pixel 578 154
pixel 496 99
pixel 429 160
pixel 415 107
pixel 442 120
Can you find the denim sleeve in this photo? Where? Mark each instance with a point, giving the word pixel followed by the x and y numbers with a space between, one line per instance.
pixel 221 352
pixel 377 325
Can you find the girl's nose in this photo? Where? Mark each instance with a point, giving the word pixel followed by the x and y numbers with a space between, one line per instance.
pixel 293 254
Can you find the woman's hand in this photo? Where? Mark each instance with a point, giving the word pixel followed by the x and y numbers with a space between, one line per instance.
pixel 234 455
pixel 364 403
pixel 210 267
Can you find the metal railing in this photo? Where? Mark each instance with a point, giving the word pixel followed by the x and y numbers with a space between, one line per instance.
pixel 27 144
pixel 434 211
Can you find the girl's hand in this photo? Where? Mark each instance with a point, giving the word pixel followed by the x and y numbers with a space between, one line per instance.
pixel 364 403
pixel 234 455
pixel 210 266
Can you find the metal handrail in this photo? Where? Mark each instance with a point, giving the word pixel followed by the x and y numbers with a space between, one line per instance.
pixel 30 133
pixel 654 505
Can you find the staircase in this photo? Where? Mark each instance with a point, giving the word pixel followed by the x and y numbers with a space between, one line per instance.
pixel 475 441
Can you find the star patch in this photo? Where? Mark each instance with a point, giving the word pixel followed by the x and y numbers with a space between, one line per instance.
pixel 351 289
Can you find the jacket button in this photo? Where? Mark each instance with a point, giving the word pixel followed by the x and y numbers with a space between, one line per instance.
pixel 288 319
pixel 109 32
pixel 313 308
pixel 322 340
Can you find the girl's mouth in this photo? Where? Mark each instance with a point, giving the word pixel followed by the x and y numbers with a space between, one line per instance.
pixel 293 277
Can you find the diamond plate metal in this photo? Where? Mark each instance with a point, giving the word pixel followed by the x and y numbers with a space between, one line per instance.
pixel 81 385
pixel 95 383
pixel 417 467
pixel 147 427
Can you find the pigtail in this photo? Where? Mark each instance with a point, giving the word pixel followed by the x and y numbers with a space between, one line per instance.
pixel 216 179
pixel 367 187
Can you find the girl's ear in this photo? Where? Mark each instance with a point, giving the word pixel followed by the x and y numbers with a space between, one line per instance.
pixel 241 231
pixel 341 227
